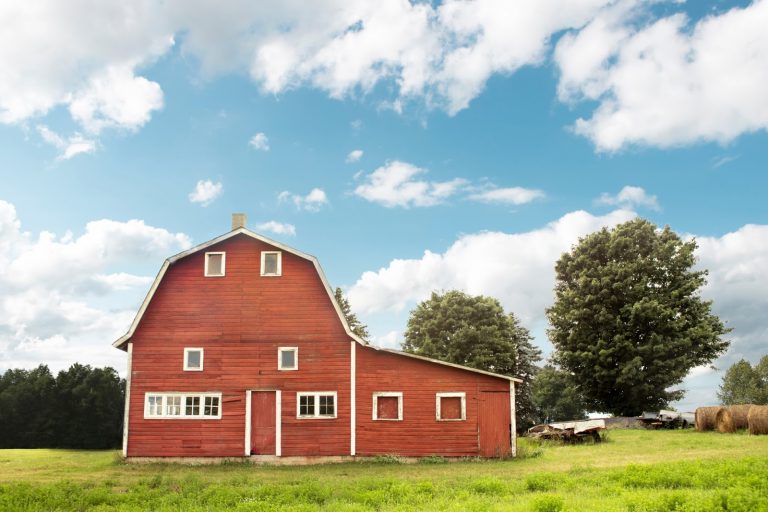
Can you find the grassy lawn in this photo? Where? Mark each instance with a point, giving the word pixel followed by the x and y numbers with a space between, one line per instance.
pixel 633 470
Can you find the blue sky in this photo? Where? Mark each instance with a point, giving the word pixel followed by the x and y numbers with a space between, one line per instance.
pixel 410 147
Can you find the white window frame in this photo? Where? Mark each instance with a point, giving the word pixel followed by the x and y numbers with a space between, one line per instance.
pixel 149 415
pixel 317 395
pixel 461 395
pixel 223 264
pixel 388 394
pixel 280 351
pixel 279 263
pixel 187 350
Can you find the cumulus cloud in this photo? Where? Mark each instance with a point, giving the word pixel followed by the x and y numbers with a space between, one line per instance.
pixel 517 268
pixel 670 82
pixel 278 228
pixel 61 301
pixel 68 148
pixel 354 156
pixel 259 142
pixel 395 184
pixel 206 192
pixel 630 197
pixel 509 195
pixel 312 202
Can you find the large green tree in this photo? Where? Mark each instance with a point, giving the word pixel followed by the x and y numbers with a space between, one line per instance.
pixel 556 396
pixel 628 321
pixel 475 331
pixel 357 327
pixel 743 384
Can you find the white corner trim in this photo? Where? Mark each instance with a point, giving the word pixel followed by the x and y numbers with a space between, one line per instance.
pixel 187 350
pixel 280 351
pixel 240 231
pixel 278 423
pixel 353 398
pixel 387 394
pixel 461 395
pixel 248 423
pixel 223 264
pixel 512 420
pixel 127 406
pixel 279 264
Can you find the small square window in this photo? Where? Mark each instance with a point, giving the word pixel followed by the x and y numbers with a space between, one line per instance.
pixel 173 406
pixel 288 358
pixel 271 263
pixel 193 359
pixel 214 264
pixel 451 406
pixel 192 406
pixel 306 405
pixel 154 405
pixel 211 406
pixel 388 406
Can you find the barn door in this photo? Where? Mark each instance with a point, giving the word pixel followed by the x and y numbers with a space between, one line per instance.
pixel 263 428
pixel 494 423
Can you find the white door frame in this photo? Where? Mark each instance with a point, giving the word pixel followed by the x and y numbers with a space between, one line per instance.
pixel 278 420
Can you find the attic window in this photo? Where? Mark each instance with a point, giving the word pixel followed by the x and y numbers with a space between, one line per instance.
pixel 271 263
pixel 451 406
pixel 214 264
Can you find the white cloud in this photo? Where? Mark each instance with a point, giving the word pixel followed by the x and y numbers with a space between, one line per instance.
pixel 206 192
pixel 393 185
pixel 630 197
pixel 669 83
pixel 278 228
pixel 354 156
pixel 510 195
pixel 73 146
pixel 52 55
pixel 517 268
pixel 260 142
pixel 388 340
pixel 312 202
pixel 60 301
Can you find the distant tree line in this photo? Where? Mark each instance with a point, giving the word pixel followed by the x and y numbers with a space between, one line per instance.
pixel 745 384
pixel 82 407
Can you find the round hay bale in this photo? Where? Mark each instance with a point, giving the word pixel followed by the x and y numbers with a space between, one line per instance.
pixel 724 421
pixel 758 420
pixel 705 418
pixel 739 415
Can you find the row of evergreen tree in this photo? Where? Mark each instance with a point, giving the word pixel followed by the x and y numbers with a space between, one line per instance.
pixel 81 407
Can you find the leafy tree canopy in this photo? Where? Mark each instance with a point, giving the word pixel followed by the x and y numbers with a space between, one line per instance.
pixel 556 397
pixel 628 321
pixel 743 384
pixel 475 332
pixel 357 327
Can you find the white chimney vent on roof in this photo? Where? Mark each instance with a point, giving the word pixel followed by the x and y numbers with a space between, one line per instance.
pixel 239 220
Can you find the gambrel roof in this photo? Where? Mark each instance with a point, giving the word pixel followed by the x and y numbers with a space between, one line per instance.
pixel 121 342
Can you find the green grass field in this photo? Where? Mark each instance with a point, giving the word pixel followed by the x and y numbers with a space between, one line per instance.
pixel 632 471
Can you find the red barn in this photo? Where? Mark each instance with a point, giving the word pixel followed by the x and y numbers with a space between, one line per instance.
pixel 240 350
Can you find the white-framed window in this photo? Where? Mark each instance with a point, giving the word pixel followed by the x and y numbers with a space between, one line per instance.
pixel 451 406
pixel 317 404
pixel 388 406
pixel 271 263
pixel 215 264
pixel 288 358
pixel 206 406
pixel 193 359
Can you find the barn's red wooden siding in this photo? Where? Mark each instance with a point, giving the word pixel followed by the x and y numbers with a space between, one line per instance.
pixel 240 320
pixel 419 433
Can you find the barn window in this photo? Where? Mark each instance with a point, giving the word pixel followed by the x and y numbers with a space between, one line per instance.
pixel 214 264
pixel 193 359
pixel 388 406
pixel 316 405
pixel 271 263
pixel 182 405
pixel 288 358
pixel 451 406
